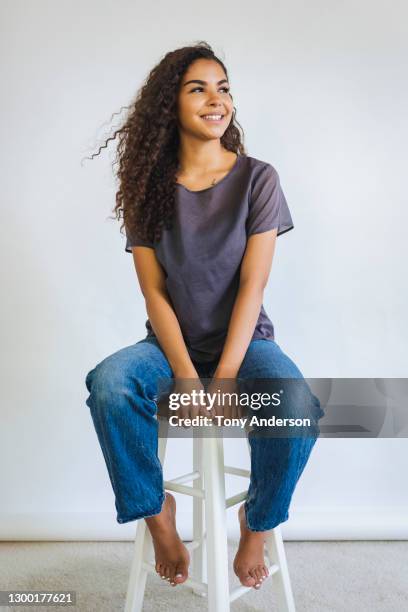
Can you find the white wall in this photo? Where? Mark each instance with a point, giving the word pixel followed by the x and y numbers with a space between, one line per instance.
pixel 321 94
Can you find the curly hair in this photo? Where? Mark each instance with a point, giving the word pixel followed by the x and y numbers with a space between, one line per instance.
pixel 147 151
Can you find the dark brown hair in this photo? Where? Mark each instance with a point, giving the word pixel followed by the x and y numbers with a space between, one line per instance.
pixel 148 140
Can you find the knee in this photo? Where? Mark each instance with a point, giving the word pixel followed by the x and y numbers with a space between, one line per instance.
pixel 293 411
pixel 276 374
pixel 112 380
pixel 299 401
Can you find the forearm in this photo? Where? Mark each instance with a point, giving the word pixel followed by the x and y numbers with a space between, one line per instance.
pixel 241 327
pixel 165 325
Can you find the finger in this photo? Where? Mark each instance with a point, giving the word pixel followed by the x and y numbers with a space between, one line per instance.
pixel 193 411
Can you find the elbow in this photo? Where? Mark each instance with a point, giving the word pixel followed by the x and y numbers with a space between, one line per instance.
pixel 153 293
pixel 255 286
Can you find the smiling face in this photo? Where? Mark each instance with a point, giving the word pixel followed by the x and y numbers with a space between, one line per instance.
pixel 203 97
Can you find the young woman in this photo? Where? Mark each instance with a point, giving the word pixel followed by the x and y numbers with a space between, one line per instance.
pixel 201 221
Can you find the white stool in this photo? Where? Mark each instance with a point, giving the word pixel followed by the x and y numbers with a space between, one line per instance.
pixel 209 489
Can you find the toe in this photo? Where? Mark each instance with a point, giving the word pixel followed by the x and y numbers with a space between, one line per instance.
pixel 256 582
pixel 172 575
pixel 181 573
pixel 160 570
pixel 247 580
pixel 265 572
pixel 245 577
pixel 259 575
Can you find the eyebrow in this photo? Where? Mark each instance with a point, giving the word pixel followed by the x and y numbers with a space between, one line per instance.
pixel 204 82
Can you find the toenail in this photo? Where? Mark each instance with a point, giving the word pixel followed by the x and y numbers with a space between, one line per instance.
pixel 179 575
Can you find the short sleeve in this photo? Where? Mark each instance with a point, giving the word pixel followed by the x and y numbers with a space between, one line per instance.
pixel 134 240
pixel 268 208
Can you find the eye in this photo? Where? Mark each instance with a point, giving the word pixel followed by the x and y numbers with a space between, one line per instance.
pixel 198 87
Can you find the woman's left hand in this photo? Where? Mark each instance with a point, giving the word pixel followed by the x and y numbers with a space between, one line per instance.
pixel 224 407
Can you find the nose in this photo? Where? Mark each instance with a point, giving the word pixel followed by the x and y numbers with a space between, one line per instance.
pixel 216 107
pixel 215 99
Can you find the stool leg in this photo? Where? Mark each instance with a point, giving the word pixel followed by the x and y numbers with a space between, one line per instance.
pixel 281 580
pixel 143 544
pixel 199 554
pixel 162 442
pixel 216 525
pixel 276 554
pixel 138 575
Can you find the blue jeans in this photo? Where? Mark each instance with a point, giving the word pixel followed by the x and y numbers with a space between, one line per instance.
pixel 123 389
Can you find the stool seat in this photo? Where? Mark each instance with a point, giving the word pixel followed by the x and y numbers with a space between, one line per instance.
pixel 209 552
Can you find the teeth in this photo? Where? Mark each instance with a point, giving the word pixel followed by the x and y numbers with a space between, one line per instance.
pixel 212 117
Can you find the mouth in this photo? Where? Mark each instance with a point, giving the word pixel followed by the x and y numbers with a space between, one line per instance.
pixel 213 118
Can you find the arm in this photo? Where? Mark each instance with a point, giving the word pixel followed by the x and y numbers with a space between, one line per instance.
pixel 161 313
pixel 255 269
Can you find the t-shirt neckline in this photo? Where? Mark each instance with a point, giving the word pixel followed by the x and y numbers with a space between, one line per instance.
pixel 234 167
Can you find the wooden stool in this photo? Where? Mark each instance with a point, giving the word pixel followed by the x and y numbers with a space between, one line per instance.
pixel 209 546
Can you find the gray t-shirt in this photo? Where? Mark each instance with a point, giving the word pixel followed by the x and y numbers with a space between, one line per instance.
pixel 202 253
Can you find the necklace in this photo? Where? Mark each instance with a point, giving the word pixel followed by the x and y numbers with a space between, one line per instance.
pixel 212 183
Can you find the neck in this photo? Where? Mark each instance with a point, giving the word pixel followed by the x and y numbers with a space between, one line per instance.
pixel 200 157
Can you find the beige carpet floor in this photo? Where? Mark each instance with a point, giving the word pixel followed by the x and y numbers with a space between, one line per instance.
pixel 326 577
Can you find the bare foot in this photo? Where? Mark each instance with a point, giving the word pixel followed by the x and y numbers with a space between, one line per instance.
pixel 172 557
pixel 249 562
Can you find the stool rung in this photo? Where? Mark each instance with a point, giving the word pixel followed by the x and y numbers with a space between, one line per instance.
pixel 235 499
pixel 185 478
pixel 241 590
pixel 203 587
pixel 196 584
pixel 193 544
pixel 180 488
pixel 228 469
